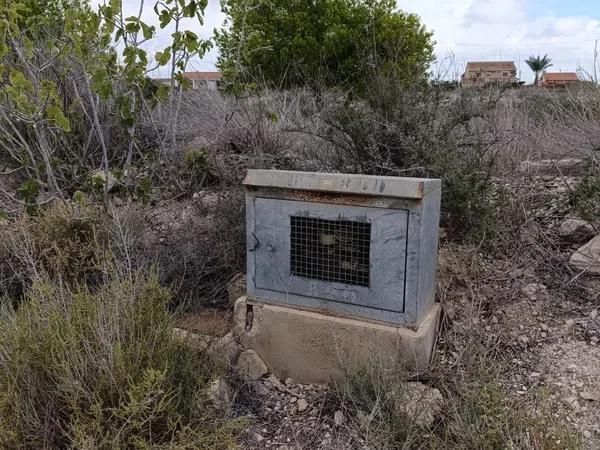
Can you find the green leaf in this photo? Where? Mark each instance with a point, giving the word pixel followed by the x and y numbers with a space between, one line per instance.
pixel 164 18
pixel 163 58
pixel 29 190
pixel 162 92
pixel 55 115
pixel 147 31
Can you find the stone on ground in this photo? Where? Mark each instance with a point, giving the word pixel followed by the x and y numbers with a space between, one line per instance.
pixel 420 403
pixel 225 350
pixel 251 365
pixel 302 405
pixel 220 394
pixel 587 257
pixel 197 341
pixel 576 230
pixel 535 291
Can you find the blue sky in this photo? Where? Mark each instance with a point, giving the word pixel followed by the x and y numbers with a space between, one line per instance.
pixel 511 30
pixel 474 30
pixel 563 7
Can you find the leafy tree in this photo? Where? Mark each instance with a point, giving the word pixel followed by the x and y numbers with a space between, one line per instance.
pixel 67 70
pixel 287 43
pixel 538 64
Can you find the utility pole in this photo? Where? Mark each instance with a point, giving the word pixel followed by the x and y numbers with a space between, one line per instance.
pixel 595 61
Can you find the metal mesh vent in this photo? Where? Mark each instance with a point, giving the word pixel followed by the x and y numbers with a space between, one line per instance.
pixel 330 250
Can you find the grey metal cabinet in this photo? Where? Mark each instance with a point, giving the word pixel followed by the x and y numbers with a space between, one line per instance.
pixel 347 250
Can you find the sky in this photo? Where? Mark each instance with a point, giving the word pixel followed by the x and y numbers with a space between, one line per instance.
pixel 468 30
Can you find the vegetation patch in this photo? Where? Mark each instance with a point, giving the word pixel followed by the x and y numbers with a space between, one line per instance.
pixel 102 370
pixel 478 412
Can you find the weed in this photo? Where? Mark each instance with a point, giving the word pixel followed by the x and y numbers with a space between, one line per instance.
pixel 586 197
pixel 478 412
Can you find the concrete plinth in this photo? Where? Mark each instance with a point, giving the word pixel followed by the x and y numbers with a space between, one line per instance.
pixel 315 348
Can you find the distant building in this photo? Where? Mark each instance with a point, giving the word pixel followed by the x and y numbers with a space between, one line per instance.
pixel 200 80
pixel 558 79
pixel 204 80
pixel 485 73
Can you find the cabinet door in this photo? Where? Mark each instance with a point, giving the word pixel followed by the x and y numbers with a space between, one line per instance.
pixel 347 254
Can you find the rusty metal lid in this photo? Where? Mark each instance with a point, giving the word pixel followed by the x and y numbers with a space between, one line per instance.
pixel 373 185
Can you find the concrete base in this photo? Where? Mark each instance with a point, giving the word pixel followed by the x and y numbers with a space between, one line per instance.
pixel 315 348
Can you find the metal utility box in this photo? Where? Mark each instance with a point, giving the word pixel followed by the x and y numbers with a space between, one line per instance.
pixel 347 245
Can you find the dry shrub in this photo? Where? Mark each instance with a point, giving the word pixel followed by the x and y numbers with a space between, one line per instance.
pixel 204 251
pixel 224 250
pixel 478 411
pixel 67 237
pixel 101 370
pixel 425 132
pixel 63 241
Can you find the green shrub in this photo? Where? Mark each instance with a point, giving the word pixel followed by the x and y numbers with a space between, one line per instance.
pixel 586 197
pixel 102 370
pixel 198 167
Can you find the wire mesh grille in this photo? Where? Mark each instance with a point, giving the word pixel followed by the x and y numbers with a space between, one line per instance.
pixel 330 250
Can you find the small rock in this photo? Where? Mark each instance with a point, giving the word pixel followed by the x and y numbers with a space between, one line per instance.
pixel 590 396
pixel 225 350
pixel 569 325
pixel 302 405
pixel 220 394
pixel 251 365
pixel 587 434
pixel 338 418
pixel 257 437
pixel 587 257
pixel 197 341
pixel 576 230
pixel 535 291
pixel 593 314
pixel 420 402
pixel 570 401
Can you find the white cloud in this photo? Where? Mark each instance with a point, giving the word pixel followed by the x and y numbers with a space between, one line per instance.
pixel 501 29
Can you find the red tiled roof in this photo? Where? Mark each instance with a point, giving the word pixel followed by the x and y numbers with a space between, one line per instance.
pixel 208 76
pixel 560 76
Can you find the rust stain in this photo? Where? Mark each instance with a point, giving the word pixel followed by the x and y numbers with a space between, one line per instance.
pixel 420 190
pixel 324 197
pixel 334 198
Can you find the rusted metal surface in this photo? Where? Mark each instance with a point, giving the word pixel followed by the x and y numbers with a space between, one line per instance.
pixel 344 184
pixel 329 198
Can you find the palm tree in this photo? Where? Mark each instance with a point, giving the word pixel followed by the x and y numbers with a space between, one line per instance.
pixel 538 65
